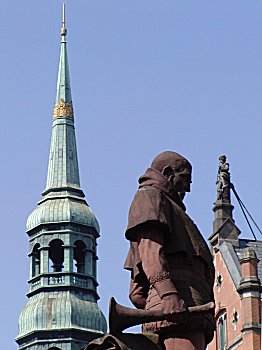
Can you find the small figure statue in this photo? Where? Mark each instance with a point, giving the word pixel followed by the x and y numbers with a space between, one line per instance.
pixel 223 179
pixel 170 263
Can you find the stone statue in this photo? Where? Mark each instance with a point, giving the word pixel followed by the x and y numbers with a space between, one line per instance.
pixel 170 262
pixel 223 179
pixel 172 272
pixel 125 341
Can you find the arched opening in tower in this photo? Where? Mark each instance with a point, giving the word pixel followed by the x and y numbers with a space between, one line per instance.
pixel 36 260
pixel 56 255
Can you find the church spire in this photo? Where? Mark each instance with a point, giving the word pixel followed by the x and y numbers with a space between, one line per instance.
pixel 63 30
pixel 63 172
pixel 63 92
pixel 62 311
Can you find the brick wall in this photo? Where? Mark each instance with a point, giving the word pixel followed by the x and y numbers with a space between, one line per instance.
pixel 228 299
pixel 242 306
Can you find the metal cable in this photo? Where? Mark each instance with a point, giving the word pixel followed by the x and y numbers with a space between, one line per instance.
pixel 243 208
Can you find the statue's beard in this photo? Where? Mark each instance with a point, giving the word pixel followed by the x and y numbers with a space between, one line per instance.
pixel 181 195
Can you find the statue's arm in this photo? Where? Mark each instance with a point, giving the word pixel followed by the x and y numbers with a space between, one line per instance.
pixel 225 167
pixel 155 266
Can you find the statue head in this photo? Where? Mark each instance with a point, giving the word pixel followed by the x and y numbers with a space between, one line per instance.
pixel 176 169
pixel 223 158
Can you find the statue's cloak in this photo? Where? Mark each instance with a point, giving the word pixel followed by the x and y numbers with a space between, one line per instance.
pixel 157 202
pixel 126 341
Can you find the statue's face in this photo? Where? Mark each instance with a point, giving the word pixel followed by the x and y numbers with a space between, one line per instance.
pixel 182 181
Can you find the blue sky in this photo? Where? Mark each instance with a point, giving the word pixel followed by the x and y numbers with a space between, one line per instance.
pixel 146 76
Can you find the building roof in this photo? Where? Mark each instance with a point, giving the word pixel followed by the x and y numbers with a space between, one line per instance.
pixel 63 169
pixel 62 305
pixel 63 199
pixel 257 247
pixel 231 253
pixel 63 90
pixel 62 210
pixel 59 311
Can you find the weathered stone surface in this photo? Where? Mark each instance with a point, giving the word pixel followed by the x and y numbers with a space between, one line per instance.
pixel 126 341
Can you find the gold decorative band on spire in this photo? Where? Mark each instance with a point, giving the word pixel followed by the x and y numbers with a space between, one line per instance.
pixel 63 110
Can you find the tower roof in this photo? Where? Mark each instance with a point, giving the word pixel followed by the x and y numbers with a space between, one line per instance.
pixel 62 308
pixel 63 91
pixel 63 197
pixel 63 164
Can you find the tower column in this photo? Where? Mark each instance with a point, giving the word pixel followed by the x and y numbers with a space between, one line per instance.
pixel 224 227
pixel 89 262
pixel 250 291
pixel 31 268
pixel 44 258
pixel 68 258
pixel 223 210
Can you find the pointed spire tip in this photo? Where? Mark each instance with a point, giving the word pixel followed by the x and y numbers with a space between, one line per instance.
pixel 63 29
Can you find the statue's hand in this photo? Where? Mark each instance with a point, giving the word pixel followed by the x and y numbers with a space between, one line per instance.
pixel 174 308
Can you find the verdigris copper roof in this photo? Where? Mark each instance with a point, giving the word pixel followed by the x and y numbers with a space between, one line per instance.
pixel 62 307
pixel 63 310
pixel 63 198
pixel 63 164
pixel 62 210
pixel 63 90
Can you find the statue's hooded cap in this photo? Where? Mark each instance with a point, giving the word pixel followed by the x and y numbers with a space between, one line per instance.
pixel 172 159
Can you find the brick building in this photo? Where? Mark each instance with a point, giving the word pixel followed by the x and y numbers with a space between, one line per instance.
pixel 237 289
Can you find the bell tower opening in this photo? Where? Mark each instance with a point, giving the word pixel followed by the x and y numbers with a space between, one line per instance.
pixel 36 260
pixel 56 256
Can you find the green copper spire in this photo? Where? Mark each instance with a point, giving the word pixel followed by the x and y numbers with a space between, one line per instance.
pixel 63 82
pixel 62 311
pixel 63 199
pixel 63 165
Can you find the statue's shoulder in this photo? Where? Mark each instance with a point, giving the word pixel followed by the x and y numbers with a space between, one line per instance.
pixel 150 198
pixel 147 199
pixel 149 205
pixel 151 194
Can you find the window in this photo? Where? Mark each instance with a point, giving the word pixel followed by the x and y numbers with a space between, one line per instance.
pixel 222 330
pixel 218 281
pixel 56 255
pixel 235 318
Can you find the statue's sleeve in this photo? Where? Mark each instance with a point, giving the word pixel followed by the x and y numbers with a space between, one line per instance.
pixel 148 226
pixel 155 266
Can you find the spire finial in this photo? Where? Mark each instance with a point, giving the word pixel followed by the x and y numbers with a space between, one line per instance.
pixel 63 29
